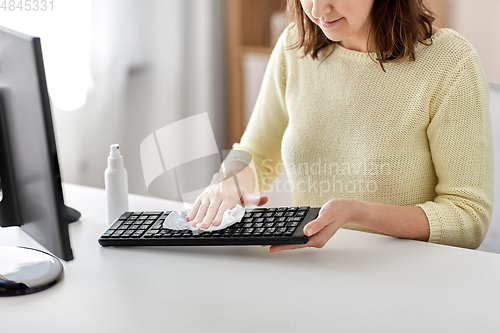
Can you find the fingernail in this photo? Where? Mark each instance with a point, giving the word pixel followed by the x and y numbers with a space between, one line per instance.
pixel 309 231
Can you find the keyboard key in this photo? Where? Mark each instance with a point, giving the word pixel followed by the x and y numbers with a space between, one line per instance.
pixel 117 234
pixel 259 231
pixel 248 231
pixel 125 216
pixel 289 213
pixel 269 231
pixel 107 234
pixel 256 210
pixel 294 219
pixel 269 225
pixel 157 225
pixel 115 225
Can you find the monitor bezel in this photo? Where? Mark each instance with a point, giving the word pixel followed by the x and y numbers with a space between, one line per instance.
pixel 10 196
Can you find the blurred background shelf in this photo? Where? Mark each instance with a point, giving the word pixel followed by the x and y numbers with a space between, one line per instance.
pixel 248 33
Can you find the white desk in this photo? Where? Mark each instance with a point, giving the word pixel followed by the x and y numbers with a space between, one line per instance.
pixel 358 283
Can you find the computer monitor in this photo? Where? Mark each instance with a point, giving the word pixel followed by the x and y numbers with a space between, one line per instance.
pixel 30 183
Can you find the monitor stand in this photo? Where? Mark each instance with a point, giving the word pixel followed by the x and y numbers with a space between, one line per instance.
pixel 25 271
pixel 72 215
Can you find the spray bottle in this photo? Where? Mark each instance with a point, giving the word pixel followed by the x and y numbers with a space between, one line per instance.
pixel 116 185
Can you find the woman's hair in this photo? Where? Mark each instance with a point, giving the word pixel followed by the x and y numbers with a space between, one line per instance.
pixel 396 27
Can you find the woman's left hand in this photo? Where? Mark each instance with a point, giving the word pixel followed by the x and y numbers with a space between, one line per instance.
pixel 333 215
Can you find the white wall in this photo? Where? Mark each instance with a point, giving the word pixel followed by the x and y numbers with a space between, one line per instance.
pixel 479 22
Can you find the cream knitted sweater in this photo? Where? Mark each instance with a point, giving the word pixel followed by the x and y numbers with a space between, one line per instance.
pixel 417 134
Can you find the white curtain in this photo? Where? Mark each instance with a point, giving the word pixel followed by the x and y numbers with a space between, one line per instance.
pixel 152 63
pixel 118 70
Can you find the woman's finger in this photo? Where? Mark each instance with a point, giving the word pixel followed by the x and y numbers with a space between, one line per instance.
pixel 220 214
pixel 211 212
pixel 202 211
pixel 194 210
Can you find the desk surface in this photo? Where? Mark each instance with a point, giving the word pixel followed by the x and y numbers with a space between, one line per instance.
pixel 358 282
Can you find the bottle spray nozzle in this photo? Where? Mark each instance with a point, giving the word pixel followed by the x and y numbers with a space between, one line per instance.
pixel 114 150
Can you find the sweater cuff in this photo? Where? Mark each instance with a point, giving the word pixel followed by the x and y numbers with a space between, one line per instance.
pixel 435 230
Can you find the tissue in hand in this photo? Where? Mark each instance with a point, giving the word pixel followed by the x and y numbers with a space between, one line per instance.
pixel 177 220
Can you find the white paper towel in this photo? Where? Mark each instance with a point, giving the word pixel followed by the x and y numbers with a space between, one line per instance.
pixel 177 220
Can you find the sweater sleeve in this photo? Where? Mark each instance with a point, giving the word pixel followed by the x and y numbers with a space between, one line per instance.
pixel 264 132
pixel 460 142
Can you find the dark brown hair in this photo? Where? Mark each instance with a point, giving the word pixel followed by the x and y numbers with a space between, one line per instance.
pixel 396 27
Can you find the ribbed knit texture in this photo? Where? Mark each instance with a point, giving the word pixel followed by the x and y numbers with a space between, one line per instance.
pixel 417 134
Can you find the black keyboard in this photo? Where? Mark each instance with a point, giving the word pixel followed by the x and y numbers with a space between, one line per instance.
pixel 259 226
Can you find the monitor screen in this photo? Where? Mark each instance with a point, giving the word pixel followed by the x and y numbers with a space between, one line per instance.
pixel 31 195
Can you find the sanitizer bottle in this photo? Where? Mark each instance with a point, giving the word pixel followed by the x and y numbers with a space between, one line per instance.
pixel 116 184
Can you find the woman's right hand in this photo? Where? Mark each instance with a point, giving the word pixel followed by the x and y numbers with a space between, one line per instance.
pixel 211 204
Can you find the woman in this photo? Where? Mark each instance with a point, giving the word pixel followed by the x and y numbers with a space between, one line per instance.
pixel 378 117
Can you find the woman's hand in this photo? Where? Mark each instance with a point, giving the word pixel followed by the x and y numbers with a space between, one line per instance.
pixel 210 206
pixel 333 215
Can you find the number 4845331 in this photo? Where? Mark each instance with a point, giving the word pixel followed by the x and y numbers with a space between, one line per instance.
pixel 27 5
